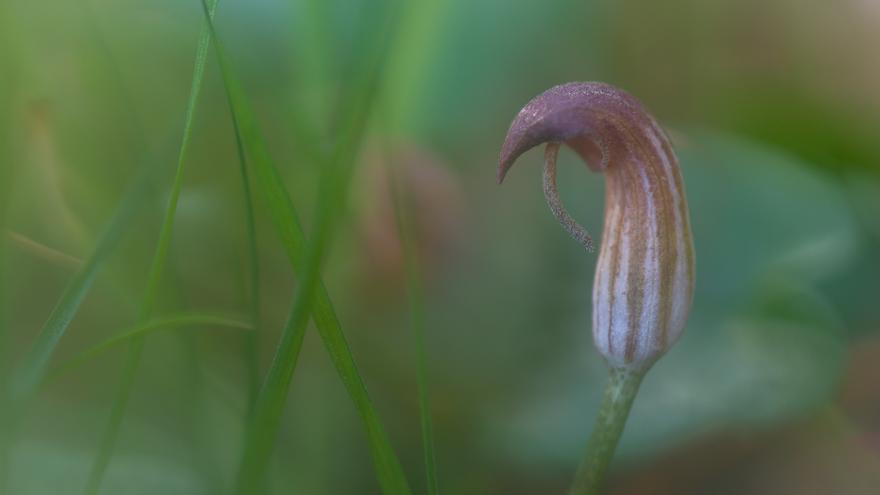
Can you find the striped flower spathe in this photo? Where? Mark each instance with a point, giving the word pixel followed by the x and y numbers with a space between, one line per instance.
pixel 644 280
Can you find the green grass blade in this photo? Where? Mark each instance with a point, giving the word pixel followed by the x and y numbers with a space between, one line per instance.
pixel 8 59
pixel 270 404
pixel 416 298
pixel 285 220
pixel 36 362
pixel 266 416
pixel 108 440
pixel 33 367
pixel 171 322
pixel 252 342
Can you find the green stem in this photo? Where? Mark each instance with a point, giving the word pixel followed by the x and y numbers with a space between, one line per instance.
pixel 623 385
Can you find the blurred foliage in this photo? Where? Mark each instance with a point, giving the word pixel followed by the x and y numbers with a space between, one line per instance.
pixel 772 107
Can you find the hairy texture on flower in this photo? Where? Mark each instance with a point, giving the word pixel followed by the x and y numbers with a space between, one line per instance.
pixel 644 280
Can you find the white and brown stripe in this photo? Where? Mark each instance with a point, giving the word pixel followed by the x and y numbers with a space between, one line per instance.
pixel 645 274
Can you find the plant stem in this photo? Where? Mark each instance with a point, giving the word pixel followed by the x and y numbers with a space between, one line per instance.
pixel 616 403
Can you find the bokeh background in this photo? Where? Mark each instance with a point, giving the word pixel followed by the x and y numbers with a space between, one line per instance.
pixel 774 110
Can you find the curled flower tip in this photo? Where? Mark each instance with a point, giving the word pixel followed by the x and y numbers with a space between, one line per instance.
pixel 551 194
pixel 645 273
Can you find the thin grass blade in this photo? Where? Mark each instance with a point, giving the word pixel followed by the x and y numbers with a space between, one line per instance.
pixel 288 227
pixel 252 339
pixel 8 59
pixel 269 408
pixel 170 322
pixel 36 362
pixel 416 299
pixel 136 346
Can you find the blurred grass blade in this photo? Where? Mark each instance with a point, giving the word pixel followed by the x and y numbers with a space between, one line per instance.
pixel 108 440
pixel 416 297
pixel 166 323
pixel 264 427
pixel 41 250
pixel 270 185
pixel 252 339
pixel 8 60
pixel 36 363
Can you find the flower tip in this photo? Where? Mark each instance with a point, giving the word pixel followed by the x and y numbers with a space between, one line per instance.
pixel 505 161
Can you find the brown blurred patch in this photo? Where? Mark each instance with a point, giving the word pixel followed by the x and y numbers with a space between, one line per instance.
pixel 860 394
pixel 434 203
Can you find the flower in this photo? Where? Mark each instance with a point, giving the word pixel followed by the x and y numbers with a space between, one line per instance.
pixel 644 282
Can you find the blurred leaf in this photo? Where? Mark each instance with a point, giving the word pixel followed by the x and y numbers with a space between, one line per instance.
pixel 759 211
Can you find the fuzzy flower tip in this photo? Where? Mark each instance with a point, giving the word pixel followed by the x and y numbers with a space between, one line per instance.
pixel 644 280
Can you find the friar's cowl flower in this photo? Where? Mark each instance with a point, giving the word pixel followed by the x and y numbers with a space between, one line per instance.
pixel 644 280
